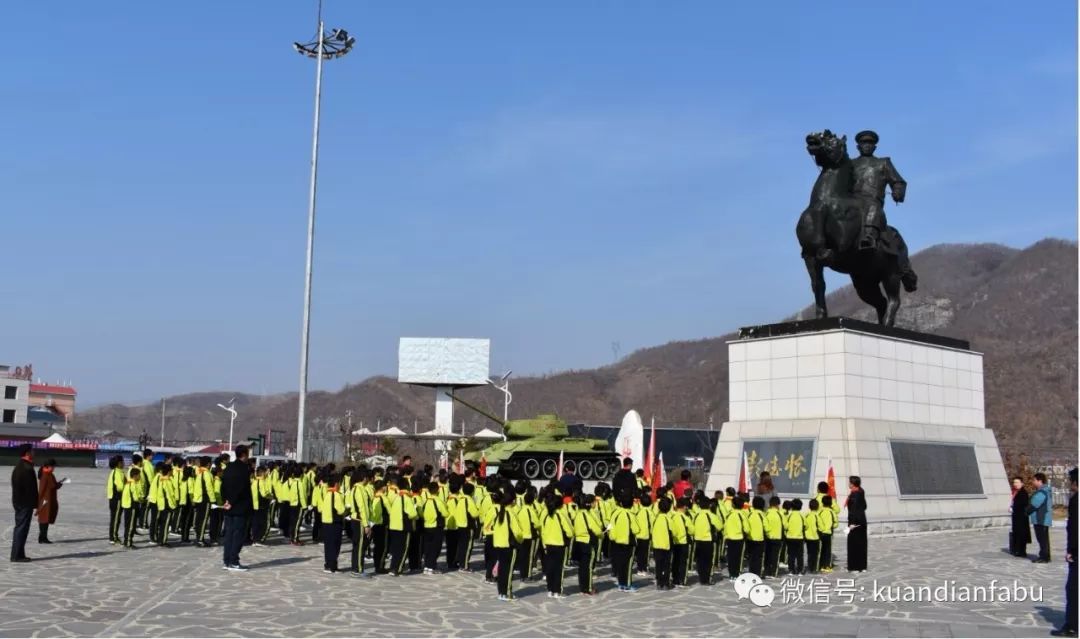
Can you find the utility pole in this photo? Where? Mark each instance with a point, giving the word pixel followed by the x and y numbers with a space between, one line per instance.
pixel 162 421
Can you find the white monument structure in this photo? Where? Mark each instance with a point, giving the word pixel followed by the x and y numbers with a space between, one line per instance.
pixel 903 410
pixel 445 364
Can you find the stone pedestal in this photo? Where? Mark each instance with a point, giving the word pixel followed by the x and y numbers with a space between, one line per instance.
pixel 901 409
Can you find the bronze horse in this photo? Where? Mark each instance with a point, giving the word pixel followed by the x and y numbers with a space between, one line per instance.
pixel 829 231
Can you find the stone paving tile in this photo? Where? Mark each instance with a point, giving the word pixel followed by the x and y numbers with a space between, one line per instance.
pixel 82 586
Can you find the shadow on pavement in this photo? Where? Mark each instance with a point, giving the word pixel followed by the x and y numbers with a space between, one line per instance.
pixel 75 555
pixel 280 562
pixel 1053 615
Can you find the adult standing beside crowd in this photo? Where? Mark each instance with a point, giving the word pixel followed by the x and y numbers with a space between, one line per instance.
pixel 1040 508
pixel 1068 629
pixel 48 505
pixel 856 541
pixel 236 502
pixel 24 498
pixel 1020 535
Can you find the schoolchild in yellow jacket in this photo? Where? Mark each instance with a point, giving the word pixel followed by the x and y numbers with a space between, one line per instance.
pixel 586 530
pixel 660 540
pixel 130 496
pixel 331 514
pixel 774 537
pixel 793 534
pixel 554 532
pixel 680 526
pixel 505 537
pixel 734 536
pixel 827 523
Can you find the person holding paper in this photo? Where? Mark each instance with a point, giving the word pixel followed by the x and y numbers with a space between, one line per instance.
pixel 48 506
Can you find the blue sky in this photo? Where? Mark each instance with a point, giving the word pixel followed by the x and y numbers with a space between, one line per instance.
pixel 556 176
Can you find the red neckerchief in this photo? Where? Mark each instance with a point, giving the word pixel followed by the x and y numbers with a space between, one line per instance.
pixel 27 458
pixel 46 469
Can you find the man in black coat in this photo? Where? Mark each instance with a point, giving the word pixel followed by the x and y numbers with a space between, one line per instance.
pixel 236 502
pixel 624 484
pixel 1068 629
pixel 24 498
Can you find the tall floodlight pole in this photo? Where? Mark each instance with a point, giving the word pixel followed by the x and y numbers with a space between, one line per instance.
pixel 232 418
pixel 505 388
pixel 325 46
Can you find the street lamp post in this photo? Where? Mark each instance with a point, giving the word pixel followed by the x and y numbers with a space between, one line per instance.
pixel 232 418
pixel 505 388
pixel 325 46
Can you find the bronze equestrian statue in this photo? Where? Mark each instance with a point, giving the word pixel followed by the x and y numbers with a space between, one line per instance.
pixel 844 227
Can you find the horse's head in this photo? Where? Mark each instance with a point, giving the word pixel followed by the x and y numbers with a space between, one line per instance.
pixel 828 150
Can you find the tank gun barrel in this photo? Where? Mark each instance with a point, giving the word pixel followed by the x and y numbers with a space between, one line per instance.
pixel 477 409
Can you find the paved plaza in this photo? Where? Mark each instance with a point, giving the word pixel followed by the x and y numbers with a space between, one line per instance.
pixel 81 585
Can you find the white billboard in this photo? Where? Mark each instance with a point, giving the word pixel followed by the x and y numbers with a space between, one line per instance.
pixel 443 361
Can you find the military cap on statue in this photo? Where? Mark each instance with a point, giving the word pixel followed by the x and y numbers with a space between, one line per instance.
pixel 869 136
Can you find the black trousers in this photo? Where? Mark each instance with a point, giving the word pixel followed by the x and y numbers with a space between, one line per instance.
pixel 399 542
pixel 1042 535
pixel 316 530
pixel 233 542
pixel 22 530
pixel 755 556
pixel 356 557
pixel 416 549
pixel 680 556
pixel 662 559
pixel 825 560
pixel 553 568
pixel 813 555
pixel 621 557
pixel 215 521
pixel 464 548
pixel 526 557
pixel 504 581
pixel 734 557
pixel 489 558
pixel 379 547
pixel 186 516
pixel 1070 596
pixel 433 538
pixel 130 515
pixel 202 520
pixel 641 554
pixel 795 556
pixel 453 538
pixel 772 556
pixel 260 525
pixel 703 560
pixel 331 540
pixel 856 549
pixel 283 519
pixel 114 518
pixel 161 525
pixel 586 563
pixel 140 521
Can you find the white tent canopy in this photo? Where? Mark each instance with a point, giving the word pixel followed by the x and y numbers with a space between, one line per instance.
pixel 487 433
pixel 434 434
pixel 363 431
pixel 393 431
pixel 56 438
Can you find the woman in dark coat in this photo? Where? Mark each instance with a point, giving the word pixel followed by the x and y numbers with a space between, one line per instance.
pixel 856 539
pixel 1020 536
pixel 48 506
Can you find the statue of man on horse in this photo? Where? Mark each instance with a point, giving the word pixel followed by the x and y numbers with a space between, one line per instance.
pixel 845 229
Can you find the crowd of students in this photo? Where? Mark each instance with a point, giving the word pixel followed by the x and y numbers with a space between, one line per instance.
pixel 402 519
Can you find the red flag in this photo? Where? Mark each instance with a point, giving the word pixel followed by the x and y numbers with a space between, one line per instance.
pixel 558 471
pixel 744 480
pixel 650 457
pixel 656 478
pixel 830 478
pixel 483 465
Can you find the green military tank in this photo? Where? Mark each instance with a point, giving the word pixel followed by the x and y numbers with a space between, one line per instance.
pixel 532 446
